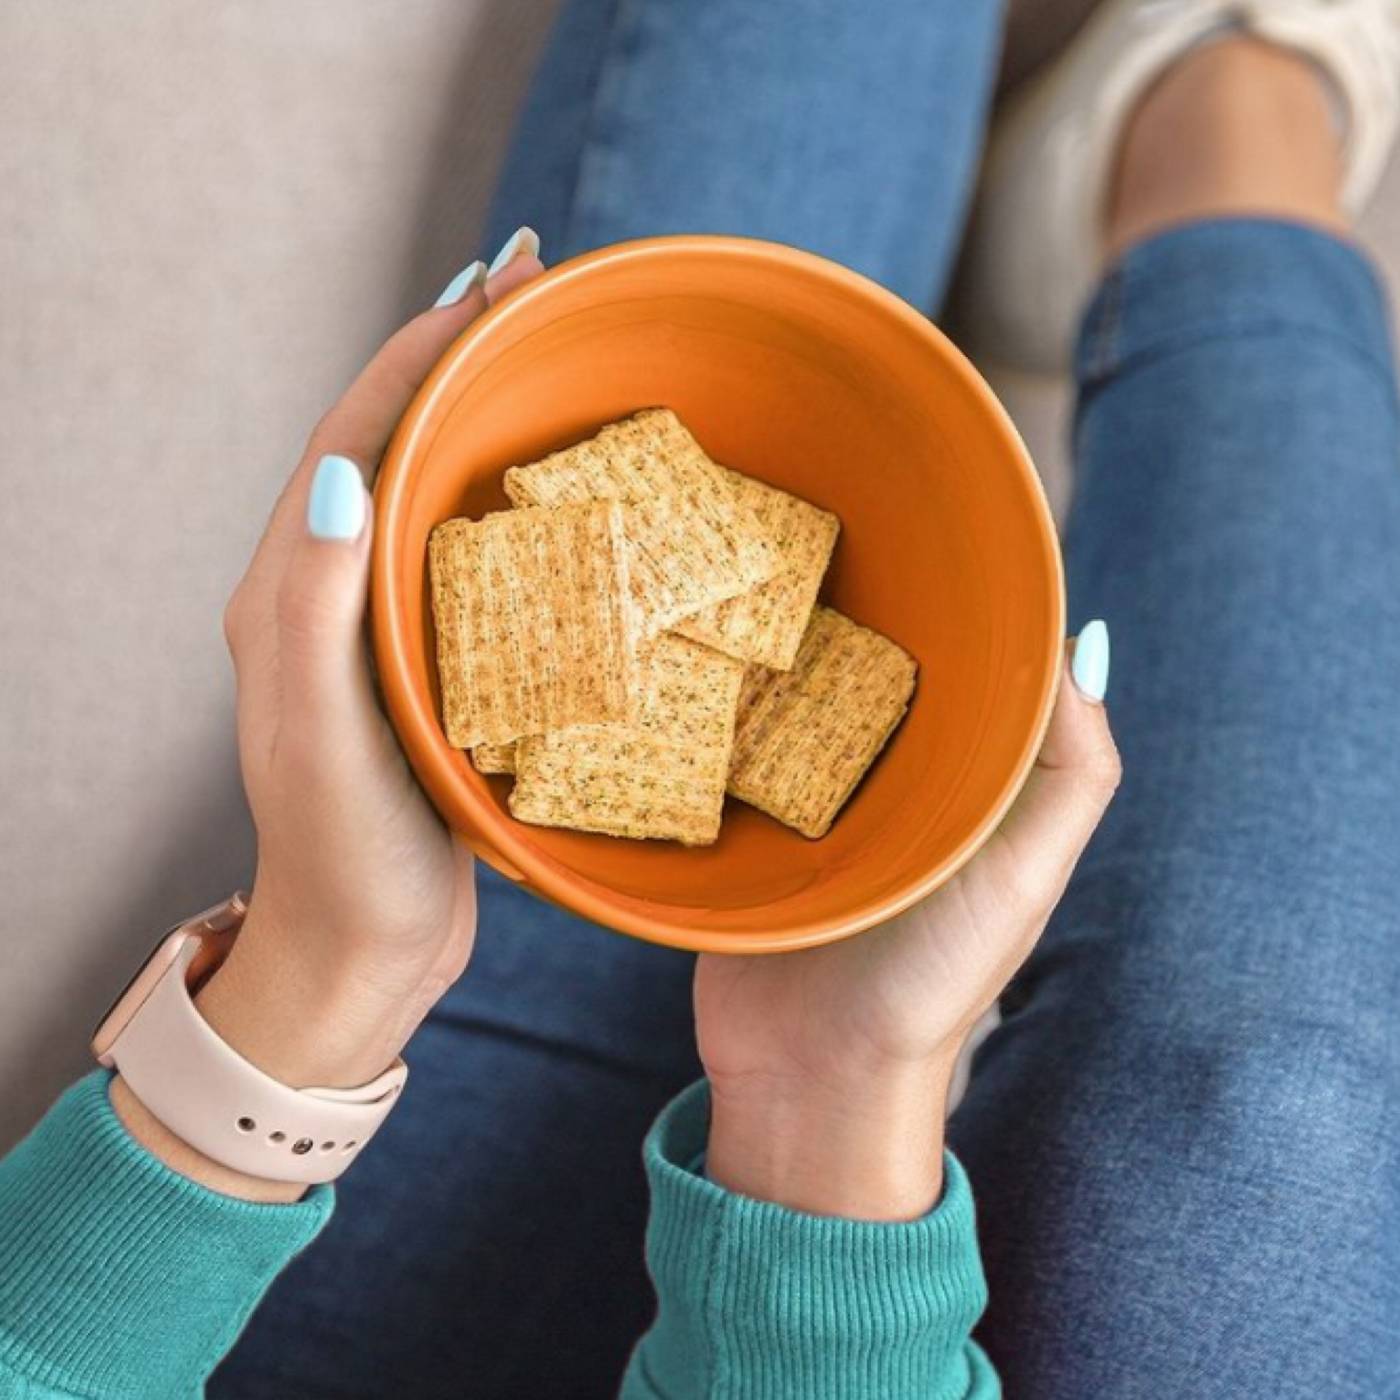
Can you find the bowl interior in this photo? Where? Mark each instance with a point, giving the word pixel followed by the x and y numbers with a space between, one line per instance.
pixel 807 377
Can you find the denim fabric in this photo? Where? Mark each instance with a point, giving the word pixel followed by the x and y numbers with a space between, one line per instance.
pixel 1183 1141
pixel 848 129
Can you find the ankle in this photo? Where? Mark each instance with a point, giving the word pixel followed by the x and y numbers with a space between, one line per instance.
pixel 1236 128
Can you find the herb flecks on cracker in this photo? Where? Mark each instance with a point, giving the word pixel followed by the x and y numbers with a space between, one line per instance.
pixel 693 542
pixel 534 625
pixel 662 776
pixel 805 737
pixel 766 625
pixel 494 758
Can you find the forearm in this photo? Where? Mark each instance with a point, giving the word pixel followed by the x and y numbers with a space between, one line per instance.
pixel 761 1299
pixel 119 1275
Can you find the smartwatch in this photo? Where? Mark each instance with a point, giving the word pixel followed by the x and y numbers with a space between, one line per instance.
pixel 205 1092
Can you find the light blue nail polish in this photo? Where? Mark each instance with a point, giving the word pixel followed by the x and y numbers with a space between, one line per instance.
pixel 471 276
pixel 335 509
pixel 523 240
pixel 1090 665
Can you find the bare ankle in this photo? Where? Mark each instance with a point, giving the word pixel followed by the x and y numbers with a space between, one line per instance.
pixel 1237 128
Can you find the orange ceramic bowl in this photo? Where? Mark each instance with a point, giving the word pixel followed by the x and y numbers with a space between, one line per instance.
pixel 808 376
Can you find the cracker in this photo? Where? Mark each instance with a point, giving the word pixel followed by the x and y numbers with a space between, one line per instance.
pixel 494 758
pixel 805 737
pixel 693 543
pixel 534 627
pixel 662 776
pixel 766 624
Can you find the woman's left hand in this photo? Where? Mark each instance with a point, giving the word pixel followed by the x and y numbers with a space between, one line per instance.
pixel 830 1068
pixel 363 908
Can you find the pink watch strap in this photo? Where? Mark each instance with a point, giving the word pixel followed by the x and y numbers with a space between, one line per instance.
pixel 211 1097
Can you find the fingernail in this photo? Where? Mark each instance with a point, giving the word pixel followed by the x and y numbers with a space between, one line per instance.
pixel 1090 665
pixel 471 276
pixel 336 507
pixel 523 240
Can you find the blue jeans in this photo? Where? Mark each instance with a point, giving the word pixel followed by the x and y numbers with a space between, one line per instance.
pixel 1185 1137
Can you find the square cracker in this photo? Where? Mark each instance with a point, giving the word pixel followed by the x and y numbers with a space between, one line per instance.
pixel 534 627
pixel 766 624
pixel 805 737
pixel 662 776
pixel 494 758
pixel 692 542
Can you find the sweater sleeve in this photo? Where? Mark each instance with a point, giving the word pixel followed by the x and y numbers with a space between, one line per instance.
pixel 757 1302
pixel 118 1276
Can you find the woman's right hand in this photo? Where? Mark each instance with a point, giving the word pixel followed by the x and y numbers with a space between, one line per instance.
pixel 830 1068
pixel 363 909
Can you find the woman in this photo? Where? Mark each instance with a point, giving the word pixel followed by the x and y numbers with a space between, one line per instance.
pixel 1183 1135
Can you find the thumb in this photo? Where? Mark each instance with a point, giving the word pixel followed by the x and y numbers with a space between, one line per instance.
pixel 303 580
pixel 362 422
pixel 1074 778
pixel 321 596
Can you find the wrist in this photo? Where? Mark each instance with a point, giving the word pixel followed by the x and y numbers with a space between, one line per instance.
pixel 305 1019
pixel 302 1021
pixel 177 1154
pixel 867 1148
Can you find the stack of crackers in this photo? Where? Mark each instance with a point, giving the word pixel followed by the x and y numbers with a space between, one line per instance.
pixel 641 635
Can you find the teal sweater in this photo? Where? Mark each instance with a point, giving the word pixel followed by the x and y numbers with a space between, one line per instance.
pixel 121 1278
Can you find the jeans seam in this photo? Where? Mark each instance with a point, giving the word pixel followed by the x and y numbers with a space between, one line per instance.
pixel 1102 359
pixel 606 79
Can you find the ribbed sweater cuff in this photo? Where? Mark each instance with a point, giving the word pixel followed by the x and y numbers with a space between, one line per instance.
pixel 766 1302
pixel 118 1276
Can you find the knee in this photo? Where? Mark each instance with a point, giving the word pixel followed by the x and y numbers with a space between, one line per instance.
pixel 1263 1079
pixel 1258 1001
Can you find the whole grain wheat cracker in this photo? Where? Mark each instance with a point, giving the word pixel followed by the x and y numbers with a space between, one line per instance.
pixel 766 624
pixel 806 737
pixel 693 543
pixel 494 758
pixel 534 627
pixel 662 776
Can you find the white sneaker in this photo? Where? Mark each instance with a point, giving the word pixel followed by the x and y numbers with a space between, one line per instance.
pixel 1033 249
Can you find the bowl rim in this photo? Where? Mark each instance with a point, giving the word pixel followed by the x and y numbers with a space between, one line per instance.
pixel 471 815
